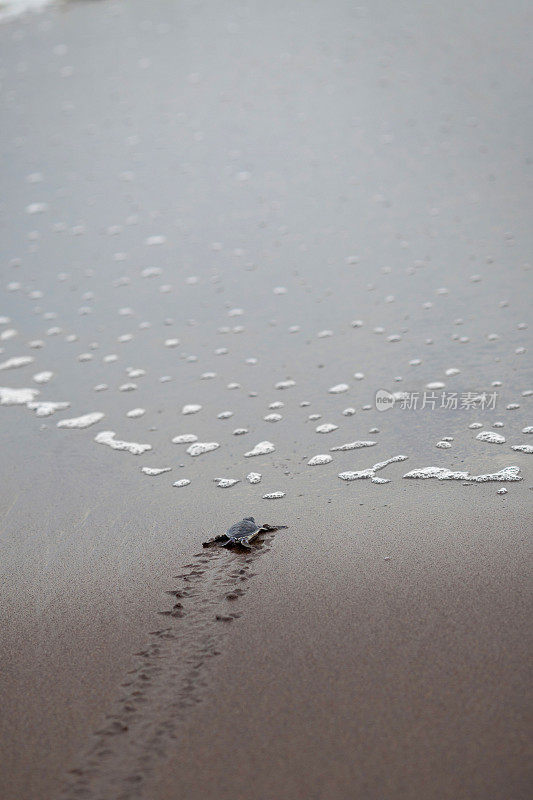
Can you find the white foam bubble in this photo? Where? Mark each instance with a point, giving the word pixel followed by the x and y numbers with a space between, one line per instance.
pixel 273 496
pixel 490 436
pixel 191 408
pixel 45 408
pixel 12 8
pixel 182 482
pixel 240 431
pixel 503 490
pixel 443 474
pixel 226 483
pixel 108 438
pixel 443 445
pixel 339 388
pixel 127 387
pixel 43 377
pixel 198 448
pixel 261 449
pixel 327 427
pixel 273 417
pixel 155 470
pixel 322 458
pixel 528 429
pixel 8 334
pixel 155 240
pixel 370 472
pixel 285 384
pixel 36 208
pixel 172 342
pixel 85 421
pixel 225 415
pixel 253 477
pixel 185 438
pixel 16 397
pixel 349 412
pixel 523 448
pixel 352 446
pixel 16 362
pixel 135 413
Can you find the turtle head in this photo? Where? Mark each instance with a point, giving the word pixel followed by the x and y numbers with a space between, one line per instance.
pixel 249 519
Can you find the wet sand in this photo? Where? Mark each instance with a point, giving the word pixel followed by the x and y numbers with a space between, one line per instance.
pixel 363 160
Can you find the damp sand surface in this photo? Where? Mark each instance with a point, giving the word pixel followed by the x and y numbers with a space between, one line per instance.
pixel 378 646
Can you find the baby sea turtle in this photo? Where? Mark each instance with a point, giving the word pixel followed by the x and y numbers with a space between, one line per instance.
pixel 242 533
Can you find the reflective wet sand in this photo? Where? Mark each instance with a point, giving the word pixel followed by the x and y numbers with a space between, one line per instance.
pixel 226 227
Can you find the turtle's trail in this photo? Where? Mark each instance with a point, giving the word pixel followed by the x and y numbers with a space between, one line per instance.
pixel 167 680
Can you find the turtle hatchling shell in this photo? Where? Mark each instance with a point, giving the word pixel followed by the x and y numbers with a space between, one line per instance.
pixel 242 529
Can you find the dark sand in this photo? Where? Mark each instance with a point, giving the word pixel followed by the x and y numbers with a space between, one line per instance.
pixel 381 645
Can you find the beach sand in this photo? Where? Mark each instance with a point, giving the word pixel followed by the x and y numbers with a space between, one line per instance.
pixel 373 164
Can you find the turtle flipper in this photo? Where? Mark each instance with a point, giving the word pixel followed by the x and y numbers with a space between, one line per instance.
pixel 215 540
pixel 267 527
pixel 244 541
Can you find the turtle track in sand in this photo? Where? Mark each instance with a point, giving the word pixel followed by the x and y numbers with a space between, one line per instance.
pixel 167 679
